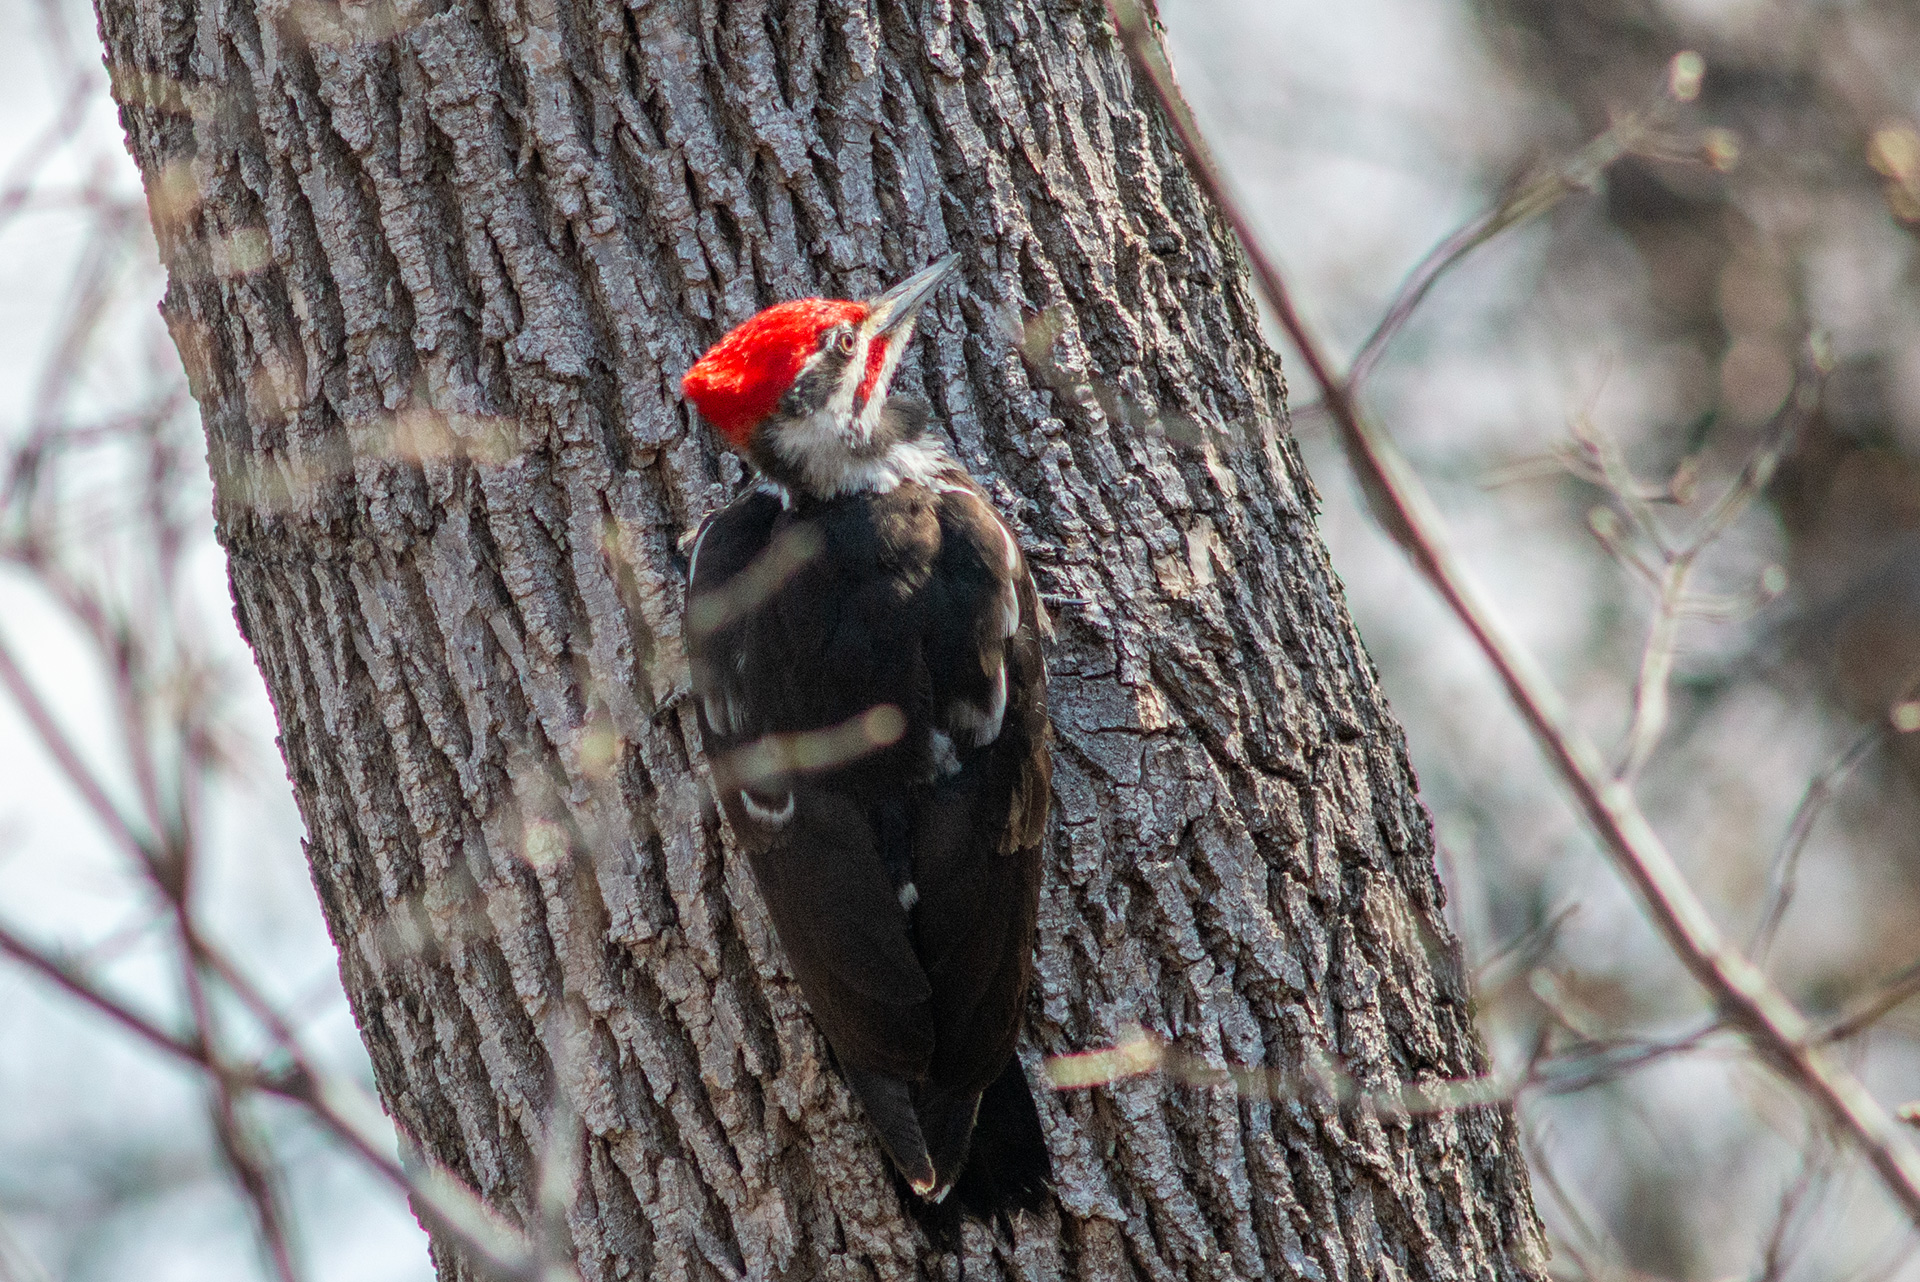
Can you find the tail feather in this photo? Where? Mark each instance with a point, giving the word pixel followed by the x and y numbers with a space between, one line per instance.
pixel 985 1149
pixel 947 1122
pixel 889 1102
pixel 1008 1168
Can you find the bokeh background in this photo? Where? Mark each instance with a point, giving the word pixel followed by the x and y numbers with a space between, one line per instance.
pixel 1664 313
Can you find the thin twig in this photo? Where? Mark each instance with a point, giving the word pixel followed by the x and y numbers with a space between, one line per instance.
pixel 66 755
pixel 1816 1156
pixel 1527 200
pixel 1784 874
pixel 1521 954
pixel 1400 502
pixel 253 1171
pixel 1652 686
pixel 1577 1216
pixel 1875 1006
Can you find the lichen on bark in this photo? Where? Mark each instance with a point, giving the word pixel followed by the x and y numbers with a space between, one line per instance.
pixel 435 267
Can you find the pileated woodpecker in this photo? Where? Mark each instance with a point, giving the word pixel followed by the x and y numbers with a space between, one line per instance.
pixel 865 644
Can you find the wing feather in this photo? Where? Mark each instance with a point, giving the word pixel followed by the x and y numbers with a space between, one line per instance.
pixel 903 885
pixel 814 846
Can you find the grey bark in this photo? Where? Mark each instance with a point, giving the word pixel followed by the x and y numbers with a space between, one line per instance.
pixel 435 269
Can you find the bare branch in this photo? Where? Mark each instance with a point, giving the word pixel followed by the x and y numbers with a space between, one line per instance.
pixel 67 757
pixel 495 1247
pixel 1141 1053
pixel 1527 199
pixel 1816 1155
pixel 1875 1006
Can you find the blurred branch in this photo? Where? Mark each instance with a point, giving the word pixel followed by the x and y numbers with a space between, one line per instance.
pixel 166 860
pixel 1786 864
pixel 1140 1053
pixel 1816 1155
pixel 1521 955
pixel 1652 685
pixel 1400 502
pixel 159 696
pixel 66 756
pixel 1532 196
pixel 249 1163
pixel 18 185
pixel 15 1264
pixel 496 1248
pixel 1875 1006
pixel 1579 1218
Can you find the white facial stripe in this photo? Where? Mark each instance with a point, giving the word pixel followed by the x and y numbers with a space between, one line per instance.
pixel 890 362
pixel 824 446
pixel 817 445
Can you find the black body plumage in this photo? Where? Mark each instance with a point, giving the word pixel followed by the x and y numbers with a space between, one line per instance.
pixel 872 697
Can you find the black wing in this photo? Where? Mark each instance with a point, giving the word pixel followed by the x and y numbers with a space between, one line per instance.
pixel 978 829
pixel 977 847
pixel 872 698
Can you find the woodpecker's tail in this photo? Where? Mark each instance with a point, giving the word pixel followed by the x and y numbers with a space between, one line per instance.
pixel 1007 1168
pixel 985 1149
pixel 890 1104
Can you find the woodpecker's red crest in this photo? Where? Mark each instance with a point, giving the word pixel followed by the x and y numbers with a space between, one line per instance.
pixel 743 376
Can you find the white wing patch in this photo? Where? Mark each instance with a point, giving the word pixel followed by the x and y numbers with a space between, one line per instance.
pixel 772 816
pixel 773 489
pixel 996 709
pixel 909 896
pixel 693 562
pixel 941 481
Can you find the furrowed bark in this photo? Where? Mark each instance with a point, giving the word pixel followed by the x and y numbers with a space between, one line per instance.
pixel 435 270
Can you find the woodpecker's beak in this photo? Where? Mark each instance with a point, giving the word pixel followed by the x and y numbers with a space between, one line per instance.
pixel 894 310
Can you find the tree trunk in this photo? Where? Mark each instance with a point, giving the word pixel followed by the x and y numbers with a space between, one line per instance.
pixel 435 271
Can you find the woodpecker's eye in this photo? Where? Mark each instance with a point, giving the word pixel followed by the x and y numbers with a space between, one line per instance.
pixel 843 342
